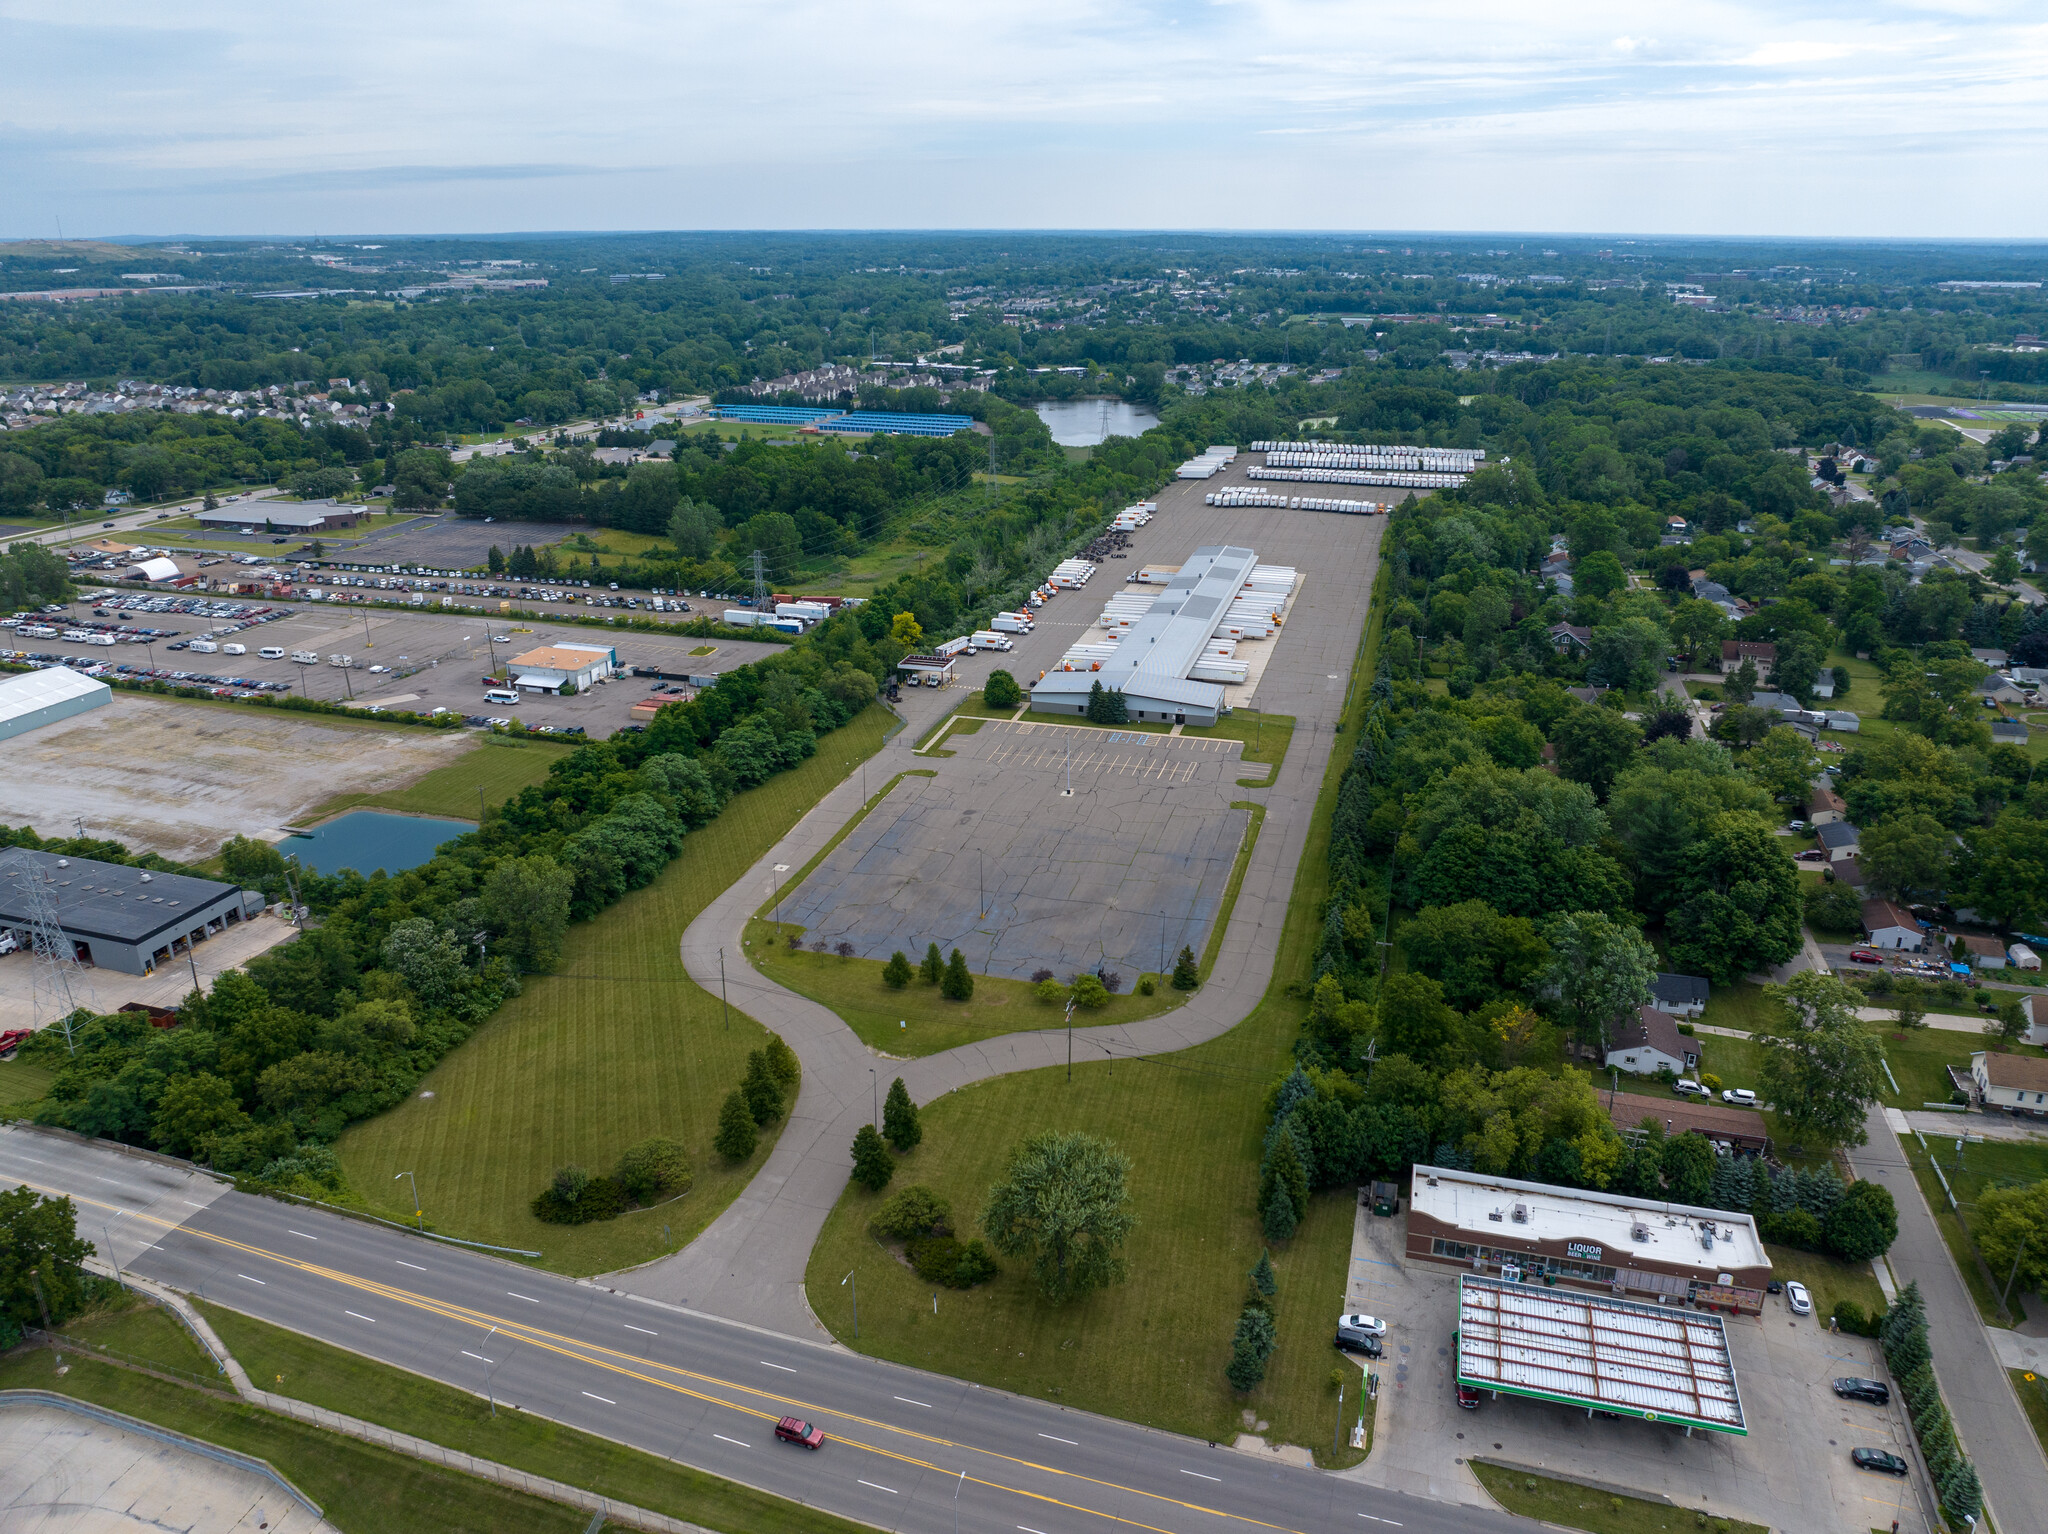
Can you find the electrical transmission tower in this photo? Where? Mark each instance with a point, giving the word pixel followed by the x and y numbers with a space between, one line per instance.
pixel 57 981
pixel 760 581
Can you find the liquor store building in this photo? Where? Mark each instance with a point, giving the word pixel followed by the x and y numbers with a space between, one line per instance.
pixel 1531 1232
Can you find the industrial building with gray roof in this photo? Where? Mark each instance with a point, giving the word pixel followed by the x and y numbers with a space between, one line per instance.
pixel 115 916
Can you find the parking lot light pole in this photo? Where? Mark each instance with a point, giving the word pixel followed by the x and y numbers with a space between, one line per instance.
pixel 417 1213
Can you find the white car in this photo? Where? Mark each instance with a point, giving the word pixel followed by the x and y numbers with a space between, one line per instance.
pixel 1798 1299
pixel 1741 1097
pixel 1689 1088
pixel 378 670
pixel 1363 1323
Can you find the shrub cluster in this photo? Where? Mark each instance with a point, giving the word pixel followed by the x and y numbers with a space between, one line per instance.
pixel 1903 1334
pixel 649 1172
pixel 923 1222
pixel 1251 1344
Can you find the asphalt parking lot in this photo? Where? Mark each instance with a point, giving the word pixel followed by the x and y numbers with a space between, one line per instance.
pixel 1792 1471
pixel 990 856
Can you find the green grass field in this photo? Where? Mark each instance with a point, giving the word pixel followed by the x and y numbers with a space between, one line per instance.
pixel 2032 1390
pixel 499 765
pixel 615 1046
pixel 1153 1348
pixel 1966 1182
pixel 341 1381
pixel 21 1085
pixel 361 1489
pixel 854 989
pixel 1598 1512
pixel 1828 1279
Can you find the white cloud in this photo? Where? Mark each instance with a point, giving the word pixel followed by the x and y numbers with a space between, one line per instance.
pixel 135 118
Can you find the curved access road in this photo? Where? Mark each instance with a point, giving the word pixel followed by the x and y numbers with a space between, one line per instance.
pixel 748 1265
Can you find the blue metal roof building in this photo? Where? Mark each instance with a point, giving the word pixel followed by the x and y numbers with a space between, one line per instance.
pixel 899 423
pixel 776 415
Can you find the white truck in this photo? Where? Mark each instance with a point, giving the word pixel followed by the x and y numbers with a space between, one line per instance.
pixel 989 639
pixel 953 647
pixel 203 646
pixel 306 657
pixel 1011 623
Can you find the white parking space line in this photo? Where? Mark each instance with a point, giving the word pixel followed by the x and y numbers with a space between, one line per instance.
pixel 1067 1441
pixel 404 1264
pixel 785 1368
pixel 723 1439
pixel 892 1491
pixel 908 1402
pixel 643 1331
pixel 606 1399
pixel 251 1280
pixel 1199 1476
pixel 526 1297
pixel 360 1316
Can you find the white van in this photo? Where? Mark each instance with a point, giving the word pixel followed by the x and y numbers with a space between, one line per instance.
pixel 204 646
pixel 303 657
pixel 501 695
pixel 234 649
pixel 271 652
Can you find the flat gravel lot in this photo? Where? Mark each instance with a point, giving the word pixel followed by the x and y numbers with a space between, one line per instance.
pixel 181 778
pixel 992 858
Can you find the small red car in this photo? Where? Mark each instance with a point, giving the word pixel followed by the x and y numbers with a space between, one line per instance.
pixel 1865 956
pixel 796 1430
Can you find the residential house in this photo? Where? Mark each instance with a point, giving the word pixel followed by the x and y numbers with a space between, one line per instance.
pixel 2016 1083
pixel 1837 839
pixel 1680 995
pixel 2036 1010
pixel 1824 685
pixel 1824 806
pixel 1995 659
pixel 1674 525
pixel 2028 676
pixel 2020 956
pixel 1652 1043
pixel 1888 926
pixel 1984 952
pixel 1778 702
pixel 1759 653
pixel 1841 719
pixel 1997 688
pixel 1570 639
pixel 2008 732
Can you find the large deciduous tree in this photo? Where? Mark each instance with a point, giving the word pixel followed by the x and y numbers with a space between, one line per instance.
pixel 1064 1203
pixel 1602 968
pixel 1739 908
pixel 1593 745
pixel 1820 1067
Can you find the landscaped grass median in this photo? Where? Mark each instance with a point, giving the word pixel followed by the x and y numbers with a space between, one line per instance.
pixel 500 765
pixel 361 1489
pixel 342 1381
pixel 1992 1163
pixel 617 1045
pixel 1597 1512
pixel 1152 1349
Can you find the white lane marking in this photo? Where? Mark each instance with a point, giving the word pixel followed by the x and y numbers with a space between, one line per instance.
pixel 360 1316
pixel 908 1402
pixel 1028 1529
pixel 478 1357
pixel 404 1264
pixel 785 1368
pixel 1199 1476
pixel 606 1399
pixel 892 1491
pixel 251 1280
pixel 1387 1521
pixel 1067 1441
pixel 723 1439
pixel 643 1331
pixel 299 1233
pixel 526 1297
pixel 195 1206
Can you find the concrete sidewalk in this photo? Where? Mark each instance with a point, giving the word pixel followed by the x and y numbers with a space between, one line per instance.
pixel 1989 1421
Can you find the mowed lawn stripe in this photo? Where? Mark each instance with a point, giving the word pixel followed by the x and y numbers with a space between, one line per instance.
pixel 617 1045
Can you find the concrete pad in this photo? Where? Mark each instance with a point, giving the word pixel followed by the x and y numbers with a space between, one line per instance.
pixel 65 1472
pixel 993 857
pixel 110 990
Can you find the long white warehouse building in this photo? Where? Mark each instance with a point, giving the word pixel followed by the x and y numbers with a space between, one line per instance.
pixel 1152 663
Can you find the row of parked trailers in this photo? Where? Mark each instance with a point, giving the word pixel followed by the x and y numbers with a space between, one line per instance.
pixel 1293 502
pixel 1254 613
pixel 1134 516
pixel 1208 463
pixel 1332 455
pixel 1412 479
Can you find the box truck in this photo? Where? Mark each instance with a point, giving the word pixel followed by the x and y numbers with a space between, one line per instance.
pixel 989 639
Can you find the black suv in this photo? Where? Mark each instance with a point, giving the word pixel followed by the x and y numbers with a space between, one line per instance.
pixel 1356 1340
pixel 1874 1391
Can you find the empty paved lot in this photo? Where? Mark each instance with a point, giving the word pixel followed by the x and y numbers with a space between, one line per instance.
pixel 991 857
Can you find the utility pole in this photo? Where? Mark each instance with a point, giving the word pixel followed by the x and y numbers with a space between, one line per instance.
pixel 1070 1041
pixel 875 1095
pixel 480 804
pixel 724 1001
pixel 849 1279
pixel 418 1214
pixel 2006 1292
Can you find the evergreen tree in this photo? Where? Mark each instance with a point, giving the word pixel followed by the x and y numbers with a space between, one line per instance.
pixel 1262 1276
pixel 1962 1496
pixel 782 1062
pixel 1784 1195
pixel 1823 1190
pixel 873 1166
pixel 899 1117
pixel 1294 1091
pixel 763 1093
pixel 1186 973
pixel 1724 1194
pixel 736 1132
pixel 933 969
pixel 896 973
pixel 1250 1348
pixel 1276 1211
pixel 957 984
pixel 1096 703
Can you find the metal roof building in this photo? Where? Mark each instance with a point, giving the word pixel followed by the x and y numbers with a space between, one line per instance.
pixel 546 669
pixel 1152 661
pixel 115 916
pixel 1599 1354
pixel 898 423
pixel 43 697
pixel 283 516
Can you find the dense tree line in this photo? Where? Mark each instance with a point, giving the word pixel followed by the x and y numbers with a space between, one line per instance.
pixel 270 1065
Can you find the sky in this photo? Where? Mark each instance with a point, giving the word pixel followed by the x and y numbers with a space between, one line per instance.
pixel 1716 117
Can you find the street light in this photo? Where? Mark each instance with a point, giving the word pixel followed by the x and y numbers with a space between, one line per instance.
pixel 417 1213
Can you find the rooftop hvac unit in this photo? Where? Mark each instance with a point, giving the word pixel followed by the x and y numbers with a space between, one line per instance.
pixel 1521 1214
pixel 1492 1214
pixel 1640 1233
pixel 1707 1238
